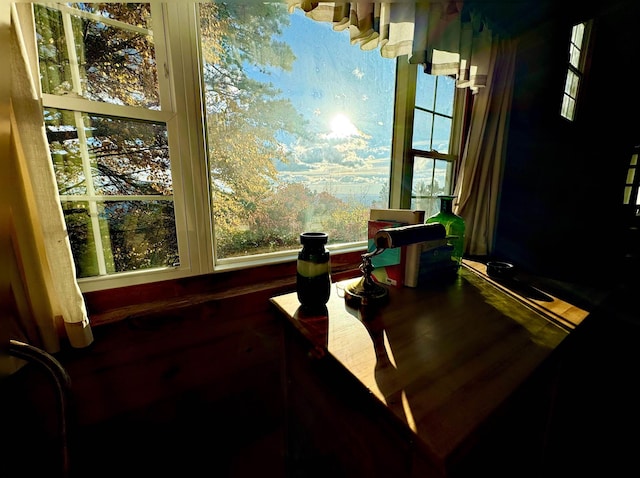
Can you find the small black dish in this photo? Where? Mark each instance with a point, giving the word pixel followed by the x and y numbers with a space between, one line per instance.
pixel 500 270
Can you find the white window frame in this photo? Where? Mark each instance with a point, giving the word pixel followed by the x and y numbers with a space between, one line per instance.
pixel 177 112
pixel 403 154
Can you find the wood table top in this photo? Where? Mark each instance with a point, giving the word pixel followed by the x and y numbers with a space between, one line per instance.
pixel 442 358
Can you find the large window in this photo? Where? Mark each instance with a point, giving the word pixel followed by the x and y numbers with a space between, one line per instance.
pixel 189 138
pixel 299 127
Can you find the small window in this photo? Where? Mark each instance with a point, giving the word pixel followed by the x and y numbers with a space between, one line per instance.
pixel 631 198
pixel 576 68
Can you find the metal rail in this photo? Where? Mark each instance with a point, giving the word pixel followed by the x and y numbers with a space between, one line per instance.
pixel 62 382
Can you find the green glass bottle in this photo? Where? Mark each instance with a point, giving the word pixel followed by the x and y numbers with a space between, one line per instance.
pixel 453 224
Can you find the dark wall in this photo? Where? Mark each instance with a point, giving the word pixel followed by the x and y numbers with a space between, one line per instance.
pixel 561 199
pixel 190 391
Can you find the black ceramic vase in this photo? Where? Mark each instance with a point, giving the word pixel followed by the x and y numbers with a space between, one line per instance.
pixel 313 279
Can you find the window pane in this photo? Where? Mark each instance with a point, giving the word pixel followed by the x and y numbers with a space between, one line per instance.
pixel 441 134
pixel 79 226
pixel 422 126
pixel 426 91
pixel 131 157
pixel 62 134
pixel 571 86
pixel 446 92
pixel 568 106
pixel 102 53
pixel 630 175
pixel 123 156
pixel 299 128
pixel 574 56
pixel 142 235
pixel 577 34
pixel 431 178
pixel 133 235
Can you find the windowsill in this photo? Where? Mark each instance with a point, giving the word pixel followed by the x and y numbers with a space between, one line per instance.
pixel 113 305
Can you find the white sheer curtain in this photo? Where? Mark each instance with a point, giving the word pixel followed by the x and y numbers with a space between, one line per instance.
pixel 480 173
pixel 46 304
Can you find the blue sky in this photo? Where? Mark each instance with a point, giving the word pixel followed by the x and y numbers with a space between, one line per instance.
pixel 347 95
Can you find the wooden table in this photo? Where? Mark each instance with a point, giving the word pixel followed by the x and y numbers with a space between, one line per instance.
pixel 413 388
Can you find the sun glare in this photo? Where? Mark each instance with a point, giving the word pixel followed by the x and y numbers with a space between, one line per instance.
pixel 342 127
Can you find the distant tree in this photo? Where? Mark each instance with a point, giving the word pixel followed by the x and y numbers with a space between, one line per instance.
pixel 274 225
pixel 347 224
pixel 383 199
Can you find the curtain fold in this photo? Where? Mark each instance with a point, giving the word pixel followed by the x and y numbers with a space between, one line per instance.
pixel 47 301
pixel 438 34
pixel 478 183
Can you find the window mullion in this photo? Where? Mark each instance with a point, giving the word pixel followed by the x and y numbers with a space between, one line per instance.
pixel 66 10
pixel 457 126
pixel 186 137
pixel 82 143
pixel 402 158
pixel 109 109
pixel 158 14
pixel 71 52
pixel 91 192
